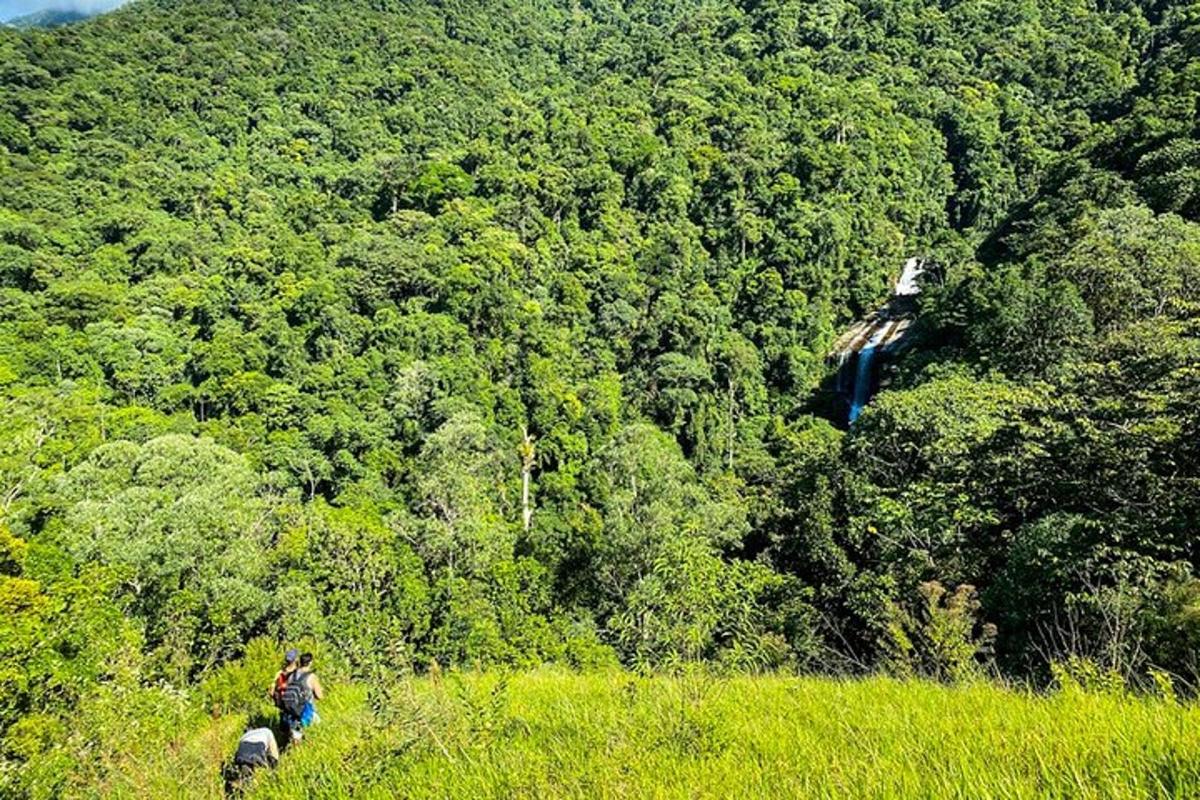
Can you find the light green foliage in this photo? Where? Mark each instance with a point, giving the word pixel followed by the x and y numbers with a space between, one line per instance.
pixel 656 567
pixel 1026 320
pixel 943 639
pixel 692 605
pixel 922 487
pixel 43 433
pixel 460 489
pixel 179 520
pixel 554 734
pixel 369 586
pixel 1137 266
pixel 61 635
pixel 650 494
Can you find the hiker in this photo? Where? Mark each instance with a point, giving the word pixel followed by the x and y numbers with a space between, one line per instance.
pixel 257 748
pixel 297 699
pixel 281 678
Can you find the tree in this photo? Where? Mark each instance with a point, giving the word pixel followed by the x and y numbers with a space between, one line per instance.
pixel 179 520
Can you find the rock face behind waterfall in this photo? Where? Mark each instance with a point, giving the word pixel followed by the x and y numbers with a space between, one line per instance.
pixel 869 344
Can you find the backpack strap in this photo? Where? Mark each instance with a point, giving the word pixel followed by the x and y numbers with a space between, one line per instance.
pixel 301 679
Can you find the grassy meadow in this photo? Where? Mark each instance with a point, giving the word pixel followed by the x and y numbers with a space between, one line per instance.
pixel 556 734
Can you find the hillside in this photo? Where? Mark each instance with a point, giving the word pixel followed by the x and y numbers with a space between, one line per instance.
pixel 49 18
pixel 495 334
pixel 615 735
pixel 67 12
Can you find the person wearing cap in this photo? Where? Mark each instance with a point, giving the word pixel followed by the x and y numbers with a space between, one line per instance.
pixel 290 660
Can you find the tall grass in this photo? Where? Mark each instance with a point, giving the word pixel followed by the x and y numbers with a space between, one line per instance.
pixel 554 734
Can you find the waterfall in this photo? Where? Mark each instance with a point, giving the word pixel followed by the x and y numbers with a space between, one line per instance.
pixel 879 336
pixel 863 375
pixel 908 286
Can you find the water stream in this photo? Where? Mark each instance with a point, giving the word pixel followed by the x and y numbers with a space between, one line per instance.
pixel 882 328
pixel 863 377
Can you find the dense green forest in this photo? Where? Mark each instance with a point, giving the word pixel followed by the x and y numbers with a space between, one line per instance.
pixel 496 333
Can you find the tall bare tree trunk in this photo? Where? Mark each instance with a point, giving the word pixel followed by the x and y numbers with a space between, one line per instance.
pixel 732 423
pixel 527 455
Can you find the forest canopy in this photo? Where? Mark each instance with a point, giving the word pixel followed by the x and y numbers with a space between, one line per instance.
pixel 498 333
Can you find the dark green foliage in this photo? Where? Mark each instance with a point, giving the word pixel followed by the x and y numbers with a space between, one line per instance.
pixel 495 333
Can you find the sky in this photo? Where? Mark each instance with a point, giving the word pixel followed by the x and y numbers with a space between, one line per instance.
pixel 17 8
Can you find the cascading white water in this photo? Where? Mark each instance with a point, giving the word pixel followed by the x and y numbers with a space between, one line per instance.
pixel 882 334
pixel 863 375
pixel 907 286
